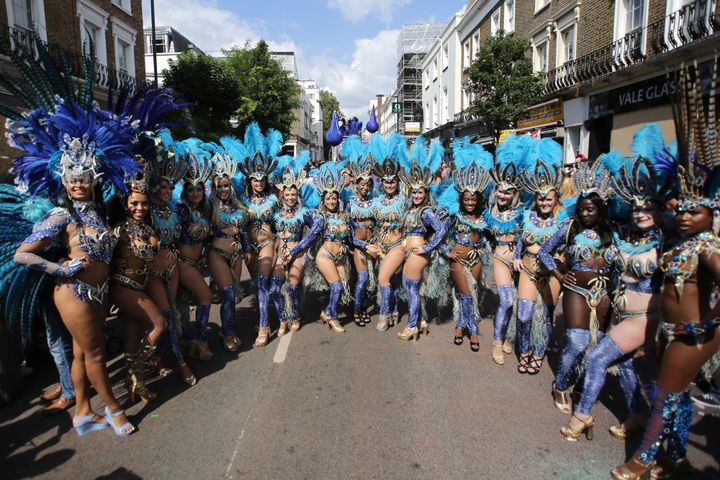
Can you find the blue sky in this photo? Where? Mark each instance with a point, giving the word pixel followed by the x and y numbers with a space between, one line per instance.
pixel 346 46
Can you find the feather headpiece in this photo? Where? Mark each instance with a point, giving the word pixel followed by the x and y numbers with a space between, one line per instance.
pixel 388 154
pixel 593 178
pixel 465 153
pixel 291 171
pixel 472 178
pixel 424 163
pixel 261 152
pixel 328 179
pixel 505 178
pixel 359 160
pixel 543 179
pixel 636 184
pixel 197 158
pixel 139 182
pixel 223 166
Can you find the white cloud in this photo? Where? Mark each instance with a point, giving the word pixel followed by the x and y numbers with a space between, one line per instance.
pixel 373 70
pixel 356 10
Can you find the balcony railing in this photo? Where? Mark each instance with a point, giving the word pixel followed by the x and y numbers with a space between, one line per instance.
pixel 691 23
pixel 20 42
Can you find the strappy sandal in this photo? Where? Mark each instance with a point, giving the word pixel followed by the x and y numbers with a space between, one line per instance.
pixel 122 430
pixel 534 365
pixel 229 343
pixel 459 336
pixel 474 346
pixel 189 378
pixel 87 424
pixel 524 363
pixel 358 319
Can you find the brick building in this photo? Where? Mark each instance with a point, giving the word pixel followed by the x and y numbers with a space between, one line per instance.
pixel 114 27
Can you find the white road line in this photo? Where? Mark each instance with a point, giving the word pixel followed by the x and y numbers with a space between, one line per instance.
pixel 282 349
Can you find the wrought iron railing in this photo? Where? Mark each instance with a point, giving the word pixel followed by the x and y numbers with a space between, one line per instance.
pixel 16 41
pixel 693 22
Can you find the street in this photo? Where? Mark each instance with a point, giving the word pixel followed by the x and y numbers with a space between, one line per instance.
pixel 316 405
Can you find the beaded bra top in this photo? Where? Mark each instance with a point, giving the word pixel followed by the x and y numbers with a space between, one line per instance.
pixel 195 227
pixel 361 210
pixel 229 216
pixel 680 264
pixel 291 222
pixel 464 227
pixel 261 210
pixel 586 246
pixel 503 223
pixel 537 231
pixel 167 225
pixel 336 227
pixel 136 244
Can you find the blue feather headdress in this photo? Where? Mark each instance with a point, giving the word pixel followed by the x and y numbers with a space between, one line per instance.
pixel 388 154
pixel 542 168
pixel 198 160
pixel 261 151
pixel 329 178
pixel 465 152
pixel 359 161
pixel 290 171
pixel 423 163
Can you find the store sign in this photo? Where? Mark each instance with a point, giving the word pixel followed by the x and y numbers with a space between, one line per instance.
pixel 412 127
pixel 544 114
pixel 650 93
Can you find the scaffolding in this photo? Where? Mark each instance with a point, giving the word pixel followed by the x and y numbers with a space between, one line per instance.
pixel 414 42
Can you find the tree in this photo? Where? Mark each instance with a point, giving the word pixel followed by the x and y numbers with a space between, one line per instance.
pixel 267 92
pixel 502 81
pixel 330 104
pixel 212 88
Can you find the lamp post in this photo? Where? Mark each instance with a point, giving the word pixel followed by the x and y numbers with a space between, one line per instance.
pixel 154 46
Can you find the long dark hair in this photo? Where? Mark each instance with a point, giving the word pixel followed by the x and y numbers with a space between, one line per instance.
pixel 204 209
pixel 604 226
pixel 251 193
pixel 479 204
pixel 64 200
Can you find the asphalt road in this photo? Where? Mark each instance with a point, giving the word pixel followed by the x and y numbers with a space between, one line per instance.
pixel 321 405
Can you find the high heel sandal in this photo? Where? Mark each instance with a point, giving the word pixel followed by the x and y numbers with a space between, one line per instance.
pixel 507 347
pixel 84 424
pixel 523 363
pixel 573 435
pixel 295 325
pixel 122 430
pixel 474 344
pixel 263 337
pixel 424 328
pixel 229 343
pixel 459 336
pixel 497 352
pixel 186 374
pixel 366 317
pixel 136 388
pixel 408 334
pixel 622 472
pixel 358 319
pixel 534 365
pixel 562 399
pixel 620 431
pixel 282 329
pixel 335 326
pixel 324 317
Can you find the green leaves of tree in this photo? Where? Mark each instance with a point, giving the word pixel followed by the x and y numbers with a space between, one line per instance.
pixel 502 81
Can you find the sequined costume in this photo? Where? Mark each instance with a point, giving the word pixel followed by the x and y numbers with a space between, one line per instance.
pixel 134 243
pixel 261 211
pixel 360 211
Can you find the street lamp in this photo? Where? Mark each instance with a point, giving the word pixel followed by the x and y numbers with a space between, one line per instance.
pixel 154 46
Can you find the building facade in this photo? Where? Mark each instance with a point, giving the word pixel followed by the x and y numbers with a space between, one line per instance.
pixel 168 44
pixel 316 118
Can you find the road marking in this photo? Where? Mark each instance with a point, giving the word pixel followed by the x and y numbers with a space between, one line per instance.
pixel 282 349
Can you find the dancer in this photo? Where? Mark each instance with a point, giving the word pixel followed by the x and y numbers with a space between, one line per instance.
pixel 633 261
pixel 536 288
pixel 586 237
pixel 388 211
pixel 503 219
pixel 261 208
pixel 163 283
pixel 92 146
pixel 194 215
pixel 690 272
pixel 424 227
pixel 290 222
pixel 360 210
pixel 133 258
pixel 229 243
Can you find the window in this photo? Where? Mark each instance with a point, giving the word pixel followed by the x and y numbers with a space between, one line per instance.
pixel 475 45
pixel 509 23
pixel 434 112
pixel 22 10
pixel 427 115
pixel 124 42
pixel 445 117
pixel 567 45
pixel 495 22
pixel 123 54
pixel 466 99
pixel 540 4
pixel 92 29
pixel 466 54
pixel 540 59
pixel 445 56
pixel 630 20
pixel 25 15
pixel 124 4
pixel 435 68
pixel 633 15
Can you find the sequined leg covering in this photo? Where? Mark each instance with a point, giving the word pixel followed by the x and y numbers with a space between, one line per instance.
pixel 678 437
pixel 577 342
pixel 505 293
pixel 599 360
pixel 629 384
pixel 412 290
pixel 227 310
pixel 277 298
pixel 335 292
pixel 660 424
pixel 385 294
pixel 467 312
pixel 360 294
pixel 544 336
pixel 172 333
pixel 294 293
pixel 202 315
pixel 262 296
pixel 457 311
pixel 525 310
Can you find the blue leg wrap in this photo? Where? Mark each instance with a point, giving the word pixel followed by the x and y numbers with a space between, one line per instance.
pixel 294 292
pixel 502 317
pixel 385 294
pixel 227 310
pixel 467 308
pixel 335 292
pixel 548 314
pixel 678 438
pixel 202 315
pixel 629 384
pixel 360 293
pixel 525 311
pixel 577 342
pixel 599 360
pixel 669 419
pixel 263 300
pixel 171 333
pixel 412 290
pixel 277 298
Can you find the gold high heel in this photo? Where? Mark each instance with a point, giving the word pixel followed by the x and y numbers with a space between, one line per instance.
pixel 622 472
pixel 424 328
pixel 620 431
pixel 409 333
pixel 282 329
pixel 263 337
pixel 573 435
pixel 134 381
pixel 186 374
pixel 335 326
pixel 507 347
pixel 497 352
pixel 324 317
pixel 562 399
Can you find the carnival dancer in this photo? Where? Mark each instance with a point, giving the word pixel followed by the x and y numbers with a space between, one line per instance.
pixel 133 258
pixel 690 272
pixel 73 153
pixel 229 242
pixel 388 212
pixel 538 292
pixel 290 221
pixel 424 228
pixel 466 238
pixel 503 218
pixel 360 209
pixel 261 208
pixel 333 224
pixel 586 237
pixel 194 215
pixel 633 261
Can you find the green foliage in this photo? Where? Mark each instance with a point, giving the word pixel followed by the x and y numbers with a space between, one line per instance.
pixel 267 93
pixel 503 83
pixel 213 89
pixel 330 104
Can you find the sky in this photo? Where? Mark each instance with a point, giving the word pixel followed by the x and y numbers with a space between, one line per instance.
pixel 347 46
